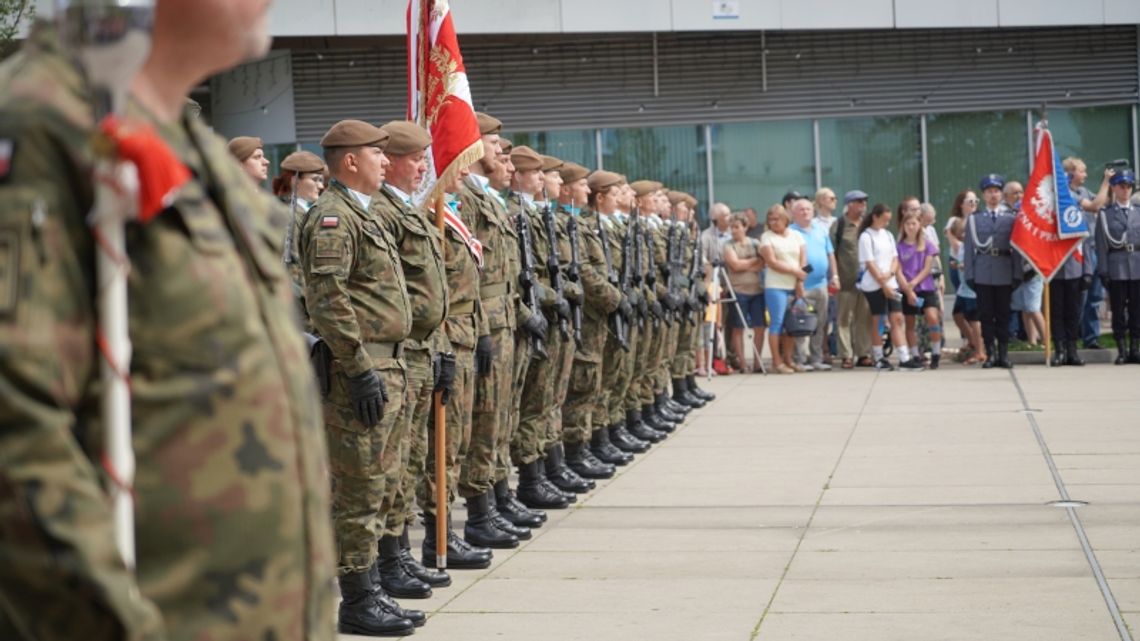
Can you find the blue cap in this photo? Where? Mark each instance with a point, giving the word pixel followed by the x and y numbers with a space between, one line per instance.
pixel 991 180
pixel 853 195
pixel 1123 176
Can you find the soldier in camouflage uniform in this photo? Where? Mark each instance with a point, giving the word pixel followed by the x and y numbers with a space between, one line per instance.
pixel 358 304
pixel 537 391
pixel 563 347
pixel 225 418
pixel 683 363
pixel 298 186
pixel 484 212
pixel 602 299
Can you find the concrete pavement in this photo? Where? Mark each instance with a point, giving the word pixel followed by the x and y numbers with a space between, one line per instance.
pixel 845 505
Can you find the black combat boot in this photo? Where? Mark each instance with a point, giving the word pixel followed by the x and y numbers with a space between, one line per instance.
pixel 645 425
pixel 500 522
pixel 663 403
pixel 682 395
pixel 480 531
pixel 606 451
pixel 580 459
pixel 624 441
pixel 461 555
pixel 359 612
pixel 1060 354
pixel 1134 350
pixel 571 497
pixel 561 475
pixel 394 577
pixel 1121 350
pixel 691 379
pixel 656 420
pixel 387 603
pixel 1003 356
pixel 513 510
pixel 434 578
pixel 1072 357
pixel 533 490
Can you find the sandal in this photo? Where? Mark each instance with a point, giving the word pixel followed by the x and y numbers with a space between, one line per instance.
pixel 847 364
pixel 864 361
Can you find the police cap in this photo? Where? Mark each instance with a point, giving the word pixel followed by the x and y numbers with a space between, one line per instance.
pixel 991 180
pixel 1124 176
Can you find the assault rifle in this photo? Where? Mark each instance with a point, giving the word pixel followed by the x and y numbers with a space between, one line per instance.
pixel 617 322
pixel 696 277
pixel 552 265
pixel 651 273
pixel 527 278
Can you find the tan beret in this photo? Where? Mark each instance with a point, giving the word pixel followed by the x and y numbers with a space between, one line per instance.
pixel 354 133
pixel 303 162
pixel 488 124
pixel 676 196
pixel 524 158
pixel 506 145
pixel 645 187
pixel 572 172
pixel 243 147
pixel 602 180
pixel 691 201
pixel 550 163
pixel 405 137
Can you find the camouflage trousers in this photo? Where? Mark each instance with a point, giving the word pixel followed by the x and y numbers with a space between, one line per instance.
pixel 490 417
pixel 685 358
pixel 529 439
pixel 458 420
pixel 563 360
pixel 622 382
pixel 503 440
pixel 641 389
pixel 356 466
pixel 401 469
pixel 665 357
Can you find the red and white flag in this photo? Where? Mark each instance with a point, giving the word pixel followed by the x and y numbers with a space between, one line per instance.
pixel 1049 226
pixel 439 98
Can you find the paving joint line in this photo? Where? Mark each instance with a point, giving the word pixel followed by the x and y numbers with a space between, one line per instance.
pixel 814 510
pixel 1074 519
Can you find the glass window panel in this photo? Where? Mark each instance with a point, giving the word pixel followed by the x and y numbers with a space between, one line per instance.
pixel 1097 135
pixel 672 155
pixel 880 155
pixel 756 163
pixel 574 145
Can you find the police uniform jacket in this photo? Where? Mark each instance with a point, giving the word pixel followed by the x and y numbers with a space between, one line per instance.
pixel 989 258
pixel 1118 242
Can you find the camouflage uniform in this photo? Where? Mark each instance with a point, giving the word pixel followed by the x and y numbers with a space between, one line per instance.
pixel 419 247
pixel 358 303
pixel 292 257
pixel 231 509
pixel 602 298
pixel 466 322
pixel 617 372
pixel 684 362
pixel 641 385
pixel 491 409
pixel 563 359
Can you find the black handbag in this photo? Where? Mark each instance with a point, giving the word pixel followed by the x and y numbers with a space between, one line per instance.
pixel 800 320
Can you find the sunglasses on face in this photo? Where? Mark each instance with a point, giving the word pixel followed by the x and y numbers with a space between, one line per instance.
pixel 971 201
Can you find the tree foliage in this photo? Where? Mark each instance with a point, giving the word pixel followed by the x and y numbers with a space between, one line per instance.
pixel 13 13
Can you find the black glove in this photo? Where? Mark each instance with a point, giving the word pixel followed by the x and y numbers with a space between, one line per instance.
pixel 483 356
pixel 657 310
pixel 695 303
pixel 576 296
pixel 443 369
pixel 320 356
pixel 625 309
pixel 643 306
pixel 703 297
pixel 524 280
pixel 368 395
pixel 1086 282
pixel 536 326
pixel 678 301
pixel 562 306
pixel 972 285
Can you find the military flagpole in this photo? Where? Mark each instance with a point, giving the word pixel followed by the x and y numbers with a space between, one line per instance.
pixel 441 499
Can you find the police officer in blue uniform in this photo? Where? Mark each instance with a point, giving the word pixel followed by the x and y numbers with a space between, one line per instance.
pixel 1118 264
pixel 992 268
pixel 1066 298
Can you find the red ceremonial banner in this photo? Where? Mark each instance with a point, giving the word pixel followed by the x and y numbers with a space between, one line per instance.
pixel 1035 231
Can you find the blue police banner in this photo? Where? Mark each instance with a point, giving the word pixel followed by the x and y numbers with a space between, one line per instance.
pixel 1071 222
pixel 1047 202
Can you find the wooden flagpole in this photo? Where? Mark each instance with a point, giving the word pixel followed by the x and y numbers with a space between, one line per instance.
pixel 441 502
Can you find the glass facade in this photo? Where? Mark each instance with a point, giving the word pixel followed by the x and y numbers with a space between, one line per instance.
pixel 756 163
pixel 672 155
pixel 1097 135
pixel 880 155
pixel 574 145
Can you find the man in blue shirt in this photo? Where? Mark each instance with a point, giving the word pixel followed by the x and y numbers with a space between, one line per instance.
pixel 821 272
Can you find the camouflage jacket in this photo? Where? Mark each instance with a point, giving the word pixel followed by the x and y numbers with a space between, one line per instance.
pixel 466 321
pixel 232 506
pixel 540 248
pixel 602 298
pixel 420 248
pixel 498 280
pixel 354 283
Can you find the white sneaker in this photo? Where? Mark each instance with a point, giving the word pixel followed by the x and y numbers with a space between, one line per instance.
pixel 809 367
pixel 821 367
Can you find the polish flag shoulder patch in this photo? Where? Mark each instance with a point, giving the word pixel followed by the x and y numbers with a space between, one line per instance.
pixel 330 221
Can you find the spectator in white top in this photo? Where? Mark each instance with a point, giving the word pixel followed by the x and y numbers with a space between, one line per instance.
pixel 785 257
pixel 878 256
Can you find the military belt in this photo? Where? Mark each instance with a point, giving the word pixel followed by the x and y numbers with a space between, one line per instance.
pixel 385 350
pixel 1129 248
pixel 992 252
pixel 459 309
pixel 493 290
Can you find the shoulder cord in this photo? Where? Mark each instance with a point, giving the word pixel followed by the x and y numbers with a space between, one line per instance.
pixel 1112 242
pixel 974 233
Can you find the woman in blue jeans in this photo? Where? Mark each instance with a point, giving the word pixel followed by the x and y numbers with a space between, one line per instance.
pixel 742 257
pixel 785 256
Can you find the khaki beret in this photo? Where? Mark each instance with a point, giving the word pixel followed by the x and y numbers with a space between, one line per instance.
pixel 550 163
pixel 506 145
pixel 691 201
pixel 405 137
pixel 488 124
pixel 602 180
pixel 676 196
pixel 303 162
pixel 243 147
pixel 645 187
pixel 354 133
pixel 573 172
pixel 524 158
